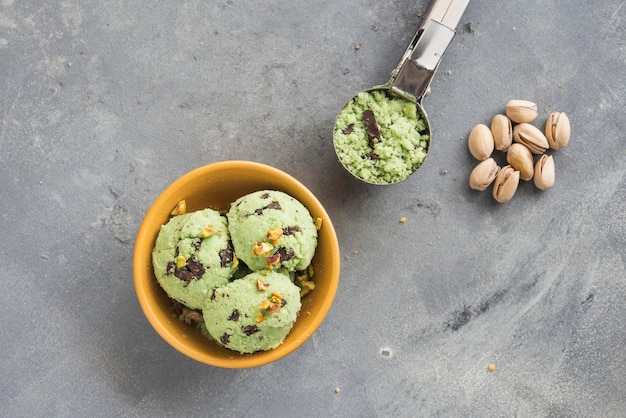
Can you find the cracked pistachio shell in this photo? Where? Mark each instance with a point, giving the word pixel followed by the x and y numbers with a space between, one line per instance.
pixel 531 137
pixel 521 159
pixel 544 172
pixel 505 184
pixel 480 142
pixel 483 174
pixel 502 131
pixel 520 111
pixel 557 130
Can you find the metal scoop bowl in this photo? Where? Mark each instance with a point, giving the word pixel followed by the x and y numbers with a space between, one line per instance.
pixel 361 132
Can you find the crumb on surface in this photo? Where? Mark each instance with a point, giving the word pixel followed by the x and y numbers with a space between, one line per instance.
pixel 491 367
pixel 402 220
pixel 337 390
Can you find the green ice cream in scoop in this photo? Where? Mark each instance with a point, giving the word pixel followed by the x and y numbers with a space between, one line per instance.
pixel 379 138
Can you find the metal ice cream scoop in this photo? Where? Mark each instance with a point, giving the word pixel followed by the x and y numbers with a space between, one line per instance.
pixel 409 81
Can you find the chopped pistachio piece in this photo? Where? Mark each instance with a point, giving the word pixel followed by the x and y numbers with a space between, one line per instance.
pixel 180 208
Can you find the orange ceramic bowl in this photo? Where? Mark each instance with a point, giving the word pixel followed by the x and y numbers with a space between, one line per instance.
pixel 215 186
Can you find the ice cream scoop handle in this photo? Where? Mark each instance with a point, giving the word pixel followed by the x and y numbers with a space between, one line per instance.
pixel 446 12
pixel 412 77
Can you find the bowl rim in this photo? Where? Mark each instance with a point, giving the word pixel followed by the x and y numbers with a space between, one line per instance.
pixel 144 239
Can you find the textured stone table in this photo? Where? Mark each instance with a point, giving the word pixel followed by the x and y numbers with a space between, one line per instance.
pixel 103 104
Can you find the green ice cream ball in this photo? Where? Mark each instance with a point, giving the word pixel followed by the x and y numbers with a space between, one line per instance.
pixel 254 313
pixel 192 255
pixel 253 218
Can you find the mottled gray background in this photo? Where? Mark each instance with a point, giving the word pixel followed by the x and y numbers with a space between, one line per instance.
pixel 104 103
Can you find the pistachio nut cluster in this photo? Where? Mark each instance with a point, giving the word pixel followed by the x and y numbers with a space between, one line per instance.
pixel 525 147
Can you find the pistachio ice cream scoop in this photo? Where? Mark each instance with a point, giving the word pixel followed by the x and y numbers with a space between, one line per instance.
pixel 192 255
pixel 254 313
pixel 382 135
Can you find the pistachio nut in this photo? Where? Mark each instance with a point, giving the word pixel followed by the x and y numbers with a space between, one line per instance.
pixel 521 159
pixel 480 142
pixel 531 137
pixel 544 172
pixel 180 208
pixel 520 111
pixel 483 174
pixel 505 184
pixel 502 132
pixel 557 130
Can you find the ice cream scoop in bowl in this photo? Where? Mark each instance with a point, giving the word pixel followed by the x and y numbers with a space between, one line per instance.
pixel 216 186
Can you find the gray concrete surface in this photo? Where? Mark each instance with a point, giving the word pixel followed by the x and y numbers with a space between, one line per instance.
pixel 103 104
